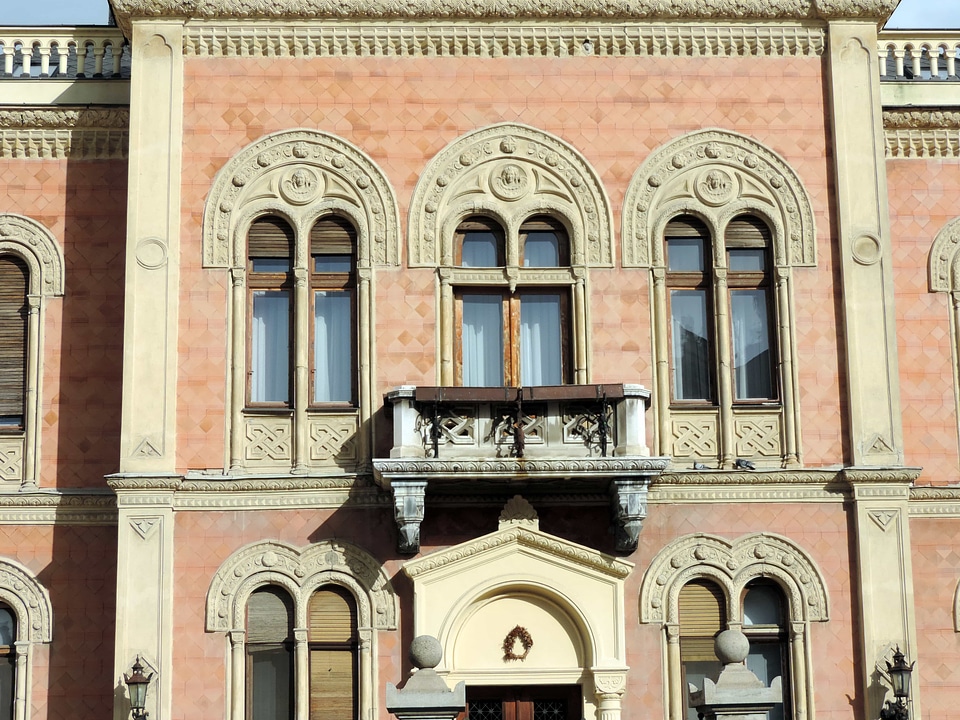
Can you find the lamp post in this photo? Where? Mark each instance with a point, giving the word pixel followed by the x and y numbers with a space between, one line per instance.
pixel 137 683
pixel 900 674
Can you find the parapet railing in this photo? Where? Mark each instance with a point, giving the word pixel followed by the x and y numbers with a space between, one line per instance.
pixel 65 53
pixel 919 55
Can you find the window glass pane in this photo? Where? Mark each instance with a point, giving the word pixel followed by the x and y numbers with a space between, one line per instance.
pixel 7 627
pixel 694 673
pixel 482 340
pixel 7 667
pixel 690 345
pixel 272 679
pixel 761 606
pixel 541 249
pixel 685 254
pixel 748 259
pixel 549 710
pixel 752 371
pixel 270 265
pixel 766 662
pixel 479 249
pixel 270 347
pixel 332 263
pixel 333 346
pixel 540 340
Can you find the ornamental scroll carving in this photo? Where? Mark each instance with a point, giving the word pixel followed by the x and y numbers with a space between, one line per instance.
pixel 300 571
pixel 509 172
pixel 944 260
pixel 487 9
pixel 301 174
pixel 28 599
pixel 37 245
pixel 717 174
pixel 732 565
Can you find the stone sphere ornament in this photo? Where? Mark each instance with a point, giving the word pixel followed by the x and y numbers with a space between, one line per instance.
pixel 425 652
pixel 731 646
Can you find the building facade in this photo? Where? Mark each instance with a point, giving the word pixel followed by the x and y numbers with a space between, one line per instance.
pixel 569 334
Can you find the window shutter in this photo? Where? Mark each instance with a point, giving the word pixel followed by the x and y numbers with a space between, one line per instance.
pixel 685 226
pixel 269 616
pixel 702 613
pixel 749 232
pixel 270 237
pixel 13 334
pixel 332 622
pixel 332 236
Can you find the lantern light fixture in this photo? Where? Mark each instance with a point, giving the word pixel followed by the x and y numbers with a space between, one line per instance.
pixel 137 684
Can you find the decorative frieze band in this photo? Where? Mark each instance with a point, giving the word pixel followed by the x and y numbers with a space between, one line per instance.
pixel 95 134
pixel 49 508
pixel 517 40
pixel 931 133
pixel 736 10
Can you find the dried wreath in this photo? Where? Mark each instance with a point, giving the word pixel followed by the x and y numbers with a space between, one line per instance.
pixel 521 634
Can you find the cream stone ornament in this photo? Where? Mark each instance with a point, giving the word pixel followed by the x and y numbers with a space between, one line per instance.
pixel 509 172
pixel 717 174
pixel 37 245
pixel 300 174
pixel 29 600
pixel 732 565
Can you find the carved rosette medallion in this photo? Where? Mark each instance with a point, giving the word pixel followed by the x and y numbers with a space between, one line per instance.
pixel 530 170
pixel 711 169
pixel 715 187
pixel 289 170
pixel 510 183
pixel 300 186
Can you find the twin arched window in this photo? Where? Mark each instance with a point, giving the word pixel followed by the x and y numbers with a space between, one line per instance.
pixel 761 615
pixel 314 321
pixel 275 661
pixel 512 322
pixel 721 313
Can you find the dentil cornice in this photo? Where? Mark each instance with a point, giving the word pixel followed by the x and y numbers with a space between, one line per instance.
pixel 874 10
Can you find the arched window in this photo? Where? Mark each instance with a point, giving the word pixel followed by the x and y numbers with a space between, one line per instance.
pixel 721 221
pixel 703 613
pixel 270 658
pixel 762 584
pixel 306 635
pixel 332 634
pixel 14 284
pixel 512 328
pixel 31 272
pixel 301 219
pixel 8 661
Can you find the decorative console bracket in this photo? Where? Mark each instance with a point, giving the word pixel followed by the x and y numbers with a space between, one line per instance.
pixel 408 497
pixel 629 505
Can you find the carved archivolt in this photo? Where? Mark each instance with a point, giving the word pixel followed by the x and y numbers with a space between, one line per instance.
pixel 29 601
pixel 945 258
pixel 509 172
pixel 717 175
pixel 301 572
pixel 732 565
pixel 37 246
pixel 301 174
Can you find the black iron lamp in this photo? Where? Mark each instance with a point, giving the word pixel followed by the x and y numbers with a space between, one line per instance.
pixel 900 674
pixel 137 683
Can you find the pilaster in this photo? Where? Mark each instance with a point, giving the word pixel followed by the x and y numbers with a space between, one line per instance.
pixel 885 582
pixel 876 435
pixel 148 427
pixel 145 587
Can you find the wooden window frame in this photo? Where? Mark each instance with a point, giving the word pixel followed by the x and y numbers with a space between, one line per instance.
pixel 491 281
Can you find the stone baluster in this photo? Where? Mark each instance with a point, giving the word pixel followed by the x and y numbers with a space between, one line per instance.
pixel 81 59
pixel 98 52
pixel 63 56
pixel 26 55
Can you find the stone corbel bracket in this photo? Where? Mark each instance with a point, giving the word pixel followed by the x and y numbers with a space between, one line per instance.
pixel 408 504
pixel 629 505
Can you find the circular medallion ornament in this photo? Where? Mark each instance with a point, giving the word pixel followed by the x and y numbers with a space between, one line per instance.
pixel 715 187
pixel 515 636
pixel 511 183
pixel 300 186
pixel 866 250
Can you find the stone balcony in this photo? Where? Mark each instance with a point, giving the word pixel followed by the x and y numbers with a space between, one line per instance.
pixel 569 438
